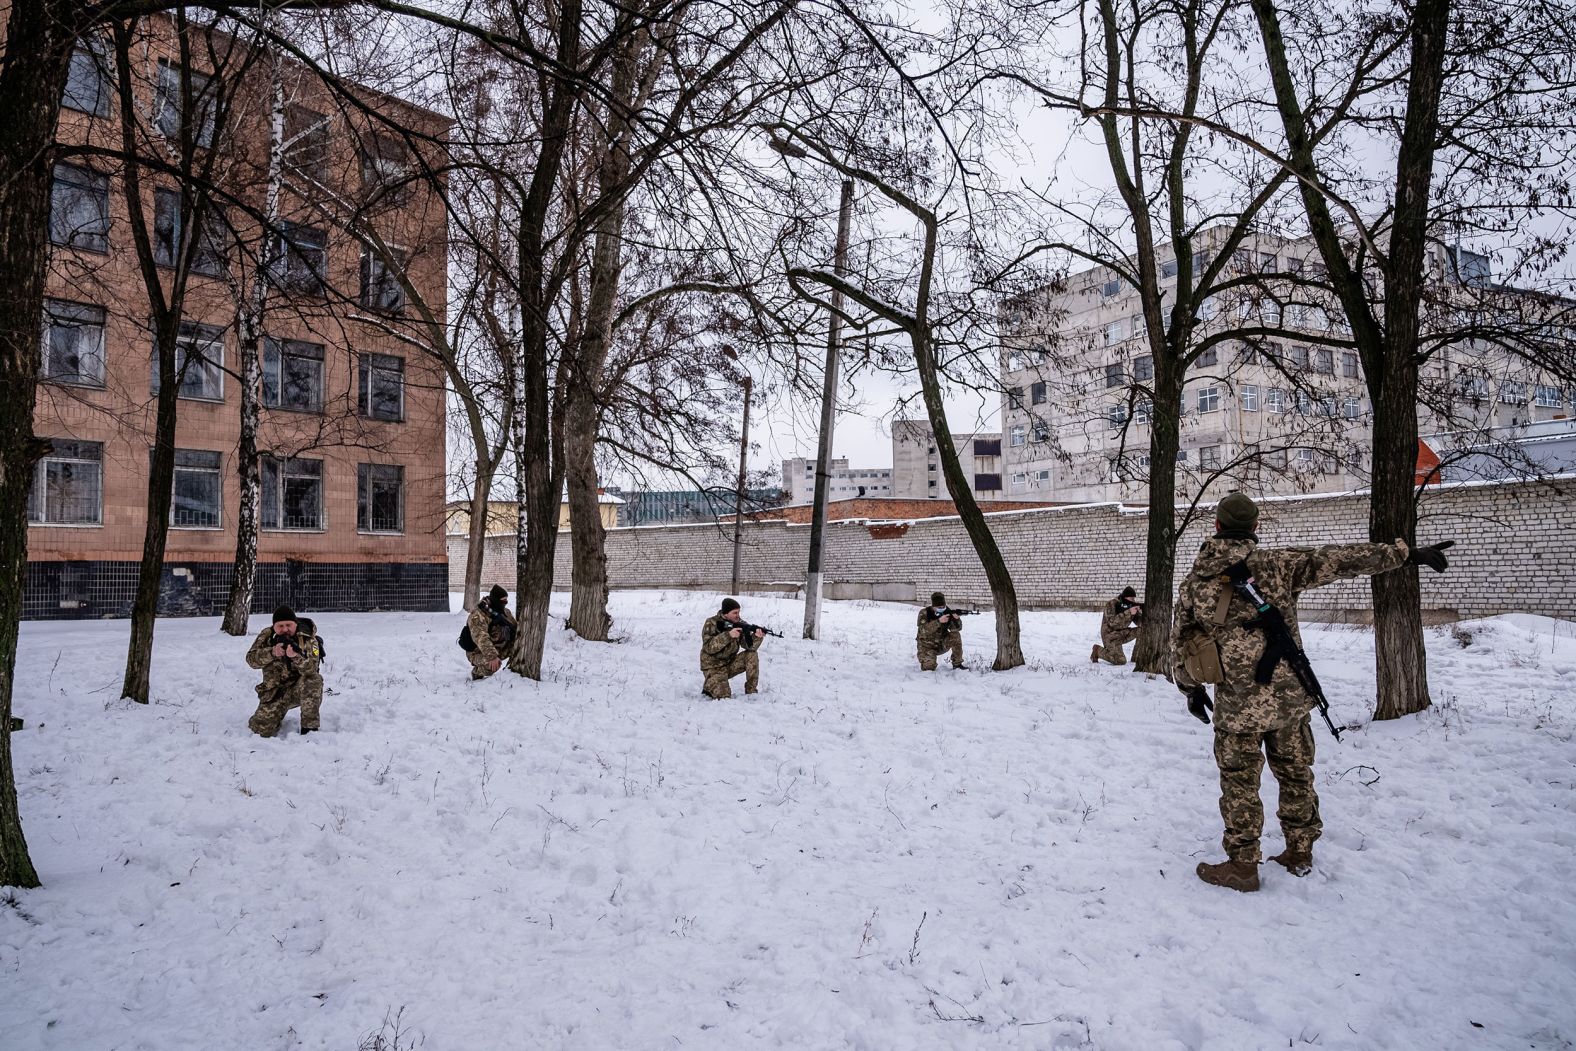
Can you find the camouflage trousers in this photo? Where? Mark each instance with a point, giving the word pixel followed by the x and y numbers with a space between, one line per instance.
pixel 1111 643
pixel 479 669
pixel 951 642
pixel 1241 759
pixel 746 663
pixel 272 704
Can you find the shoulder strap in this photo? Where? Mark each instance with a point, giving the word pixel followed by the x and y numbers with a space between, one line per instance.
pixel 1233 575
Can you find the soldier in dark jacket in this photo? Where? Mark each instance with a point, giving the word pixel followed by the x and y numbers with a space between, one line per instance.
pixel 725 653
pixel 1256 720
pixel 938 632
pixel 1117 627
pixel 288 657
pixel 493 629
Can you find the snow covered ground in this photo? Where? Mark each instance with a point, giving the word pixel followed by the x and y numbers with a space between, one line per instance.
pixel 864 856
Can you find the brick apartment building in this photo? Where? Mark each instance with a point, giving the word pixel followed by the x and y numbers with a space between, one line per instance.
pixel 352 417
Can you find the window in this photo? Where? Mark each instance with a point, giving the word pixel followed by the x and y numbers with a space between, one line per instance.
pixel 1547 397
pixel 169 104
pixel 381 387
pixel 1275 459
pixel 1247 354
pixel 68 485
pixel 73 343
pixel 1020 481
pixel 1474 386
pixel 380 283
pixel 385 168
pixel 1144 367
pixel 1349 366
pixel 1116 415
pixel 1113 333
pixel 1304 403
pixel 292 494
pixel 380 498
pixel 1121 469
pixel 1299 357
pixel 1352 407
pixel 306 144
pixel 1207 309
pixel 1114 376
pixel 1249 398
pixel 88 87
pixel 1041 431
pixel 1037 393
pixel 1168 269
pixel 1208 399
pixel 1143 411
pixel 1327 407
pixel 199 363
pixel 1304 456
pixel 1208 358
pixel 987 483
pixel 1111 287
pixel 293 375
pixel 982 447
pixel 79 208
pixel 1513 393
pixel 1015 360
pixel 1275 400
pixel 1181 456
pixel 198 490
pixel 1015 398
pixel 1209 456
pixel 1016 436
pixel 298 258
pixel 207 253
pixel 1042 477
pixel 1266 262
pixel 1324 362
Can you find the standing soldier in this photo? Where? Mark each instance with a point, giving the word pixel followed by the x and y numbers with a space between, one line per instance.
pixel 725 652
pixel 1261 707
pixel 288 657
pixel 939 631
pixel 492 628
pixel 1118 621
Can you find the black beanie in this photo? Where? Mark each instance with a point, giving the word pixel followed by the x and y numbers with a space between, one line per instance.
pixel 284 613
pixel 1129 593
pixel 1237 512
pixel 937 599
pixel 498 594
pixel 729 605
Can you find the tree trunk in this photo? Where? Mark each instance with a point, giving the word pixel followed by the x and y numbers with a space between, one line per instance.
pixel 249 326
pixel 38 41
pixel 161 479
pixel 1399 654
pixel 476 538
pixel 588 615
pixel 1152 653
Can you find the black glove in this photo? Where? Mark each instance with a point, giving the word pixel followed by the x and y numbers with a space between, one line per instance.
pixel 1199 705
pixel 1432 556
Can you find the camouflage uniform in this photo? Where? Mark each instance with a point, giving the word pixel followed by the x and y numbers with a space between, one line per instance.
pixel 1116 631
pixel 722 657
pixel 934 638
pixel 490 639
pixel 1254 720
pixel 288 682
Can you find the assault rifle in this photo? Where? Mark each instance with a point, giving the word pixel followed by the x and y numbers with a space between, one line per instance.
pixel 746 631
pixel 1279 645
pixel 948 611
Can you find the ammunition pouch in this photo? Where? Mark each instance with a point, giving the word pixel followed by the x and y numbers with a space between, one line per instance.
pixel 1201 660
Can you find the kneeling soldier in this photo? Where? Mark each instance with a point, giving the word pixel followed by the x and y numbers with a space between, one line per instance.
pixel 725 652
pixel 939 631
pixel 1118 622
pixel 1261 707
pixel 492 629
pixel 288 654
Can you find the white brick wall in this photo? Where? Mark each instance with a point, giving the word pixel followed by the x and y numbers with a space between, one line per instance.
pixel 1515 552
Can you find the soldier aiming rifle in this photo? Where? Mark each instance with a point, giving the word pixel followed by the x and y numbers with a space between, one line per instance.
pixel 1119 621
pixel 729 646
pixel 938 630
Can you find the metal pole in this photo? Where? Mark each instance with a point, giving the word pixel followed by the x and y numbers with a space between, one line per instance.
pixel 823 455
pixel 738 496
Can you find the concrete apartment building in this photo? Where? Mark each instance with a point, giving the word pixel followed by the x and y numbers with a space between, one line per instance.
pixel 352 417
pixel 847 483
pixel 916 465
pixel 1076 410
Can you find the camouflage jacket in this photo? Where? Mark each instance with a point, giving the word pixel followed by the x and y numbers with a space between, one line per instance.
pixel 931 632
pixel 1241 704
pixel 489 636
pixel 1114 618
pixel 717 647
pixel 277 670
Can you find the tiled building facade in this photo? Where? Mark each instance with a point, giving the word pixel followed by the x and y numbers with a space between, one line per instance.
pixel 1272 414
pixel 352 413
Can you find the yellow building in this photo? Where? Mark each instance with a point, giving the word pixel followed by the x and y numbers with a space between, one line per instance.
pixel 502 515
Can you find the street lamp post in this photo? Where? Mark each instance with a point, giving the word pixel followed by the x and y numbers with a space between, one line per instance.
pixel 738 496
